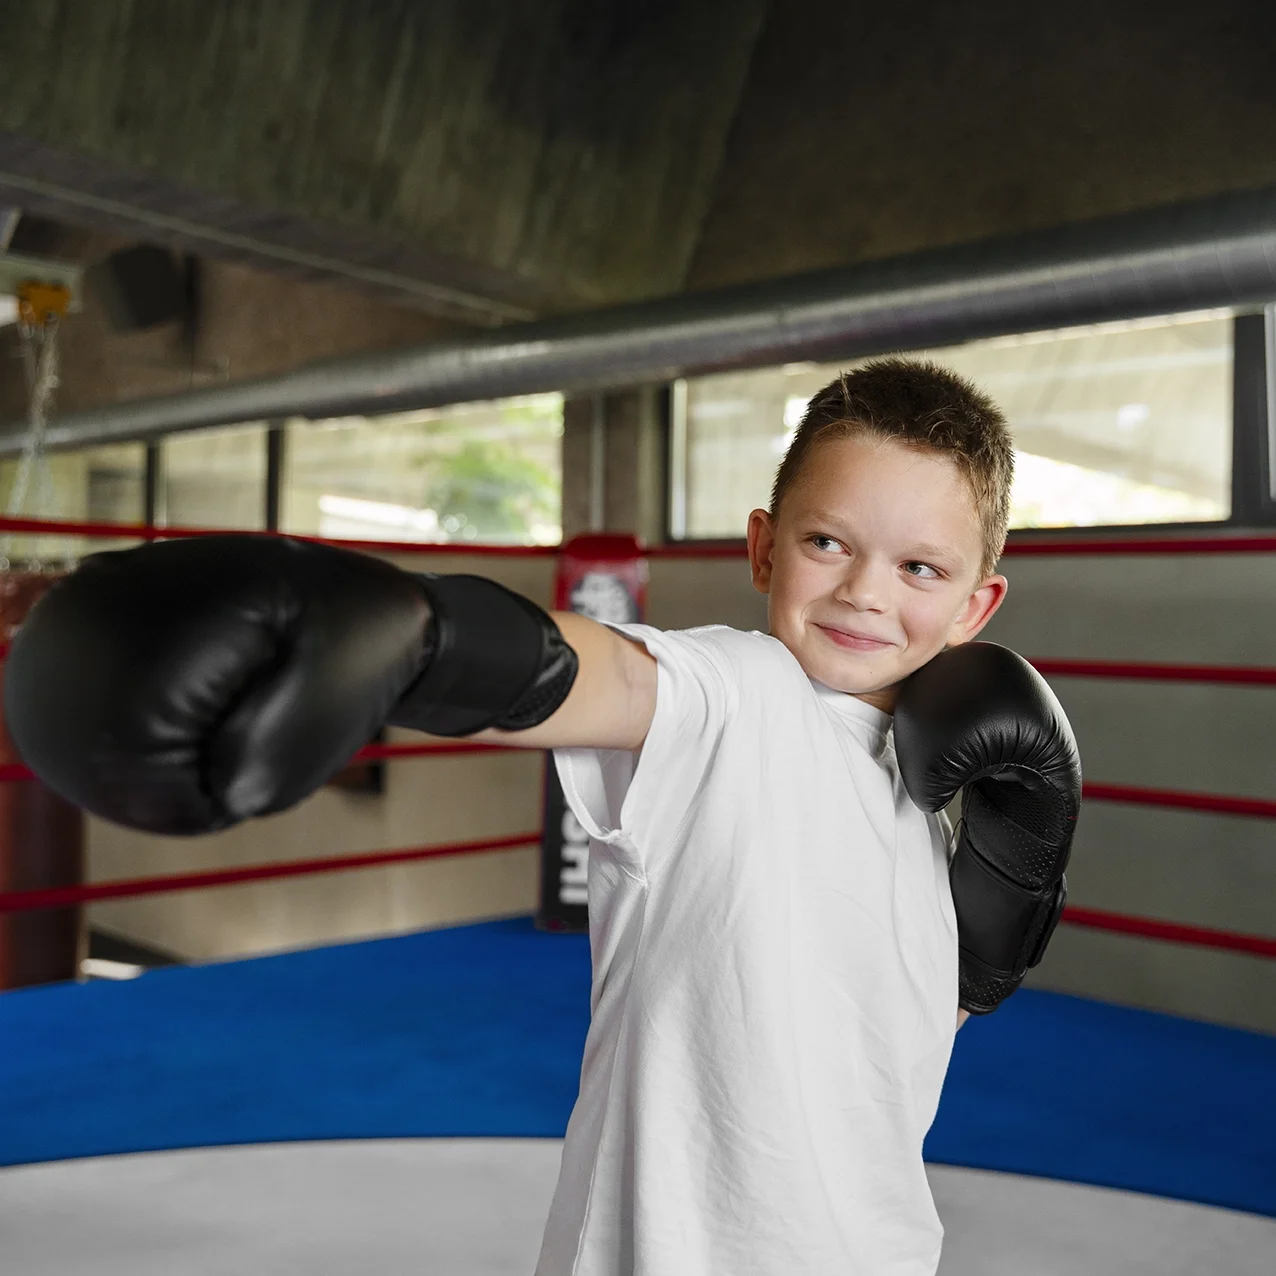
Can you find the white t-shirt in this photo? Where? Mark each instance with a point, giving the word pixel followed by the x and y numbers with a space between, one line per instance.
pixel 774 993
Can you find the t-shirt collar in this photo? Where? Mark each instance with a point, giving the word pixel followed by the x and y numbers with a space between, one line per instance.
pixel 841 702
pixel 878 721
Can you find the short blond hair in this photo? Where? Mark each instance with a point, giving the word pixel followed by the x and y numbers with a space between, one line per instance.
pixel 921 405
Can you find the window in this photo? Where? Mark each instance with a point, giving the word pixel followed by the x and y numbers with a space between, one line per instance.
pixel 1119 423
pixel 488 472
pixel 214 478
pixel 101 484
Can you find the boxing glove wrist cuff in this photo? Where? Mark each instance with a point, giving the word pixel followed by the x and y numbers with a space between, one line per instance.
pixel 981 987
pixel 492 658
pixel 1003 926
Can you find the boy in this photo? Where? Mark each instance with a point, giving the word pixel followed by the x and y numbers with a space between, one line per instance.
pixel 773 936
pixel 773 931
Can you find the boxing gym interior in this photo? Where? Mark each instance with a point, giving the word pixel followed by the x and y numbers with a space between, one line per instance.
pixel 541 294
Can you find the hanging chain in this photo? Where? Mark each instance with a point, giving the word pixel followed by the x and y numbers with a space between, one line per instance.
pixel 40 364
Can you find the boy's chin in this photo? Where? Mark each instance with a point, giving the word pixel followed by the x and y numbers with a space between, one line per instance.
pixel 882 681
pixel 855 673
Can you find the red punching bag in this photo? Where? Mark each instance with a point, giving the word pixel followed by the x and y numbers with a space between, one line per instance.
pixel 604 577
pixel 41 839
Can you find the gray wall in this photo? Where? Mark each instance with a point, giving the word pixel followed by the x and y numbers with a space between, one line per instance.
pixel 1208 870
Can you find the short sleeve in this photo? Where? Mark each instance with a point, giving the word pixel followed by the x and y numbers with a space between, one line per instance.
pixel 944 830
pixel 637 801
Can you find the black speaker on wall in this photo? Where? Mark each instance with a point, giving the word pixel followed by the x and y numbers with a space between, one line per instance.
pixel 142 287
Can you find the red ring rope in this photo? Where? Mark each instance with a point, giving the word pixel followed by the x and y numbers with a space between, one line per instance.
pixel 1212 803
pixel 67 896
pixel 1235 675
pixel 1239 675
pixel 1172 932
pixel 370 753
pixel 70 896
pixel 1116 545
pixel 1108 545
pixel 140 531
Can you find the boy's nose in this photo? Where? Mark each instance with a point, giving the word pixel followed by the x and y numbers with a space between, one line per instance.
pixel 862 586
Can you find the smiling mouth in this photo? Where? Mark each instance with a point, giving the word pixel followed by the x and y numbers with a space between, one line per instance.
pixel 854 641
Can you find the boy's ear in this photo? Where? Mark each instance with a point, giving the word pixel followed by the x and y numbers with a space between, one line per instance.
pixel 761 537
pixel 980 608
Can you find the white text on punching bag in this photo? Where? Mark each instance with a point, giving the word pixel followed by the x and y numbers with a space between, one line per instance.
pixel 572 888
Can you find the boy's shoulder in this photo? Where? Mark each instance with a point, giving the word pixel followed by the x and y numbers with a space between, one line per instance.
pixel 740 648
pixel 726 636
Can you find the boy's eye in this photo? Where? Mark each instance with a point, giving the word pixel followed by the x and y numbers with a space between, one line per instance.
pixel 829 543
pixel 935 571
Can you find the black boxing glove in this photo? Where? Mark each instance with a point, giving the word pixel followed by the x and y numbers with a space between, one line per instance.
pixel 979 718
pixel 184 686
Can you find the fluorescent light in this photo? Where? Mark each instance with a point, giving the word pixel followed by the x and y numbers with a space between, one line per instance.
pixel 782 442
pixel 795 409
pixel 100 968
pixel 1131 414
pixel 380 512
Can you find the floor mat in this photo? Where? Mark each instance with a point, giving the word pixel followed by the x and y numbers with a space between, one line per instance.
pixel 477 1031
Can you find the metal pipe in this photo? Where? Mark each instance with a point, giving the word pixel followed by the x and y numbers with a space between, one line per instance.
pixel 598 463
pixel 1217 252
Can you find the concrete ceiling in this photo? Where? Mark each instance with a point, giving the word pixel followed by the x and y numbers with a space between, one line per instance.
pixel 874 130
pixel 487 162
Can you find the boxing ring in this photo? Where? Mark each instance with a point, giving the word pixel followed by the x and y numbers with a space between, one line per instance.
pixel 397 1104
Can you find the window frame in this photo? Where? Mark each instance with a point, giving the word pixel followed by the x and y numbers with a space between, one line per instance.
pixel 1253 414
pixel 1253 485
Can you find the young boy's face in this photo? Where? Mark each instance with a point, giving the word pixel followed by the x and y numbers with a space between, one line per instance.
pixel 874 541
